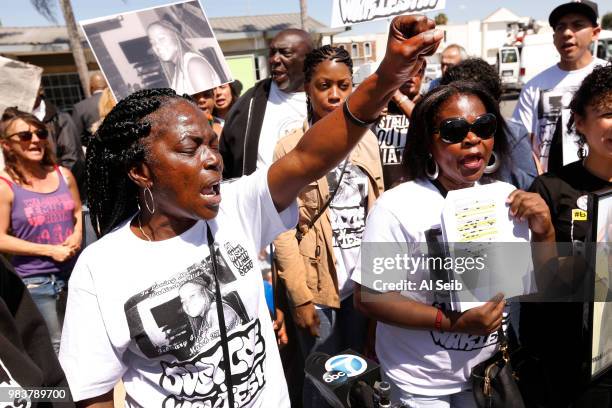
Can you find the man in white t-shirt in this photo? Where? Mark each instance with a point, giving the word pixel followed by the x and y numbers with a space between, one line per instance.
pixel 268 111
pixel 543 106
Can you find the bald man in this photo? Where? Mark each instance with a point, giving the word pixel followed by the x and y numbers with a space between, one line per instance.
pixel 86 113
pixel 271 109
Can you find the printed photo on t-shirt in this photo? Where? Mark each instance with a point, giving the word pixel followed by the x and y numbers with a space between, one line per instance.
pixel 177 321
pixel 348 208
pixel 553 104
pixel 179 316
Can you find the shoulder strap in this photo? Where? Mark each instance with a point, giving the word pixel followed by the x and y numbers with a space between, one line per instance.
pixel 7 181
pixel 298 234
pixel 222 328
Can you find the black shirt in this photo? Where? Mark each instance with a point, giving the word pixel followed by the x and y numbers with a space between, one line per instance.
pixel 27 358
pixel 554 332
pixel 391 131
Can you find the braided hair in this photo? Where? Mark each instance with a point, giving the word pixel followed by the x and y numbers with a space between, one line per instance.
pixel 317 56
pixel 115 148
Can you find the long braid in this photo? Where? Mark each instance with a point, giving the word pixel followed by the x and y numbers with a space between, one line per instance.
pixel 317 56
pixel 116 146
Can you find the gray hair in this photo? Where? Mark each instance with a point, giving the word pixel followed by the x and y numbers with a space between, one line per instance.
pixel 462 51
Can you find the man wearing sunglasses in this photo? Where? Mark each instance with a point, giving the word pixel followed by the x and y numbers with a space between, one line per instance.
pixel 543 106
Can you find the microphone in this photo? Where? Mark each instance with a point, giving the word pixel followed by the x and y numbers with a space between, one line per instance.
pixel 345 380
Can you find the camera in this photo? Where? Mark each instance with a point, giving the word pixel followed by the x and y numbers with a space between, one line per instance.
pixel 348 380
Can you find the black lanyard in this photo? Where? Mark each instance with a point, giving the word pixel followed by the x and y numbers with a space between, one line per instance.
pixel 440 187
pixel 222 328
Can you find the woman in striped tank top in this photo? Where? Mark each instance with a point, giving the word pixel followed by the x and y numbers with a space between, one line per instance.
pixel 40 214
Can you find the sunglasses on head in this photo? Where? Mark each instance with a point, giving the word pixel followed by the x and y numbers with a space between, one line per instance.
pixel 454 130
pixel 26 135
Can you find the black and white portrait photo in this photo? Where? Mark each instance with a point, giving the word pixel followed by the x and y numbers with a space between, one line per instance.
pixel 169 46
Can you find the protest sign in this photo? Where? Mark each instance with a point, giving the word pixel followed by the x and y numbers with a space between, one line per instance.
pixel 168 46
pixel 347 12
pixel 19 84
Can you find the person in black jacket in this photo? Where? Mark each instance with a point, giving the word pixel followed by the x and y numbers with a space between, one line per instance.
pixel 242 148
pixel 86 112
pixel 27 358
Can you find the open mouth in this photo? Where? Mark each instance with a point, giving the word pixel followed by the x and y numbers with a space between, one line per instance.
pixel 279 75
pixel 212 193
pixel 472 161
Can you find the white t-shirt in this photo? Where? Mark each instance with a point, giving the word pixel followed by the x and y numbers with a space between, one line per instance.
pixel 285 112
pixel 544 99
pixel 347 213
pixel 418 361
pixel 146 312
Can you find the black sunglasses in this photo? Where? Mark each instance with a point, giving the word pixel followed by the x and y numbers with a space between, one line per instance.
pixel 454 130
pixel 26 135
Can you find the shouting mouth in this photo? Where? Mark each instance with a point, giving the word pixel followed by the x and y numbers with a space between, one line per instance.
pixel 212 193
pixel 472 161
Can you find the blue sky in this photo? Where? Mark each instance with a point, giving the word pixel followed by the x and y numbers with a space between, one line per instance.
pixel 21 12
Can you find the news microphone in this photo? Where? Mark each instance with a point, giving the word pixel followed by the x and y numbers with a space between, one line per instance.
pixel 345 380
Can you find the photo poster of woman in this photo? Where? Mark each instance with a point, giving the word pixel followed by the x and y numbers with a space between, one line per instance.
pixel 179 317
pixel 601 351
pixel 169 46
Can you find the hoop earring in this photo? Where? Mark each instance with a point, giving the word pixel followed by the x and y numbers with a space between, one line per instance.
pixel 492 167
pixel 151 207
pixel 432 175
pixel 582 153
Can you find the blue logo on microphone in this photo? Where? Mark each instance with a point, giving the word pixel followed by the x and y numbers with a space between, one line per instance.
pixel 349 364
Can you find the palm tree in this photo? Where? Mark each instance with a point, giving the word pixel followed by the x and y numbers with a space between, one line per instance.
pixel 303 14
pixel 441 19
pixel 46 8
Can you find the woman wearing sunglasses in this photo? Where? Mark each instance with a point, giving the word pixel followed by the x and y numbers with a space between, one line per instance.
pixel 455 140
pixel 40 214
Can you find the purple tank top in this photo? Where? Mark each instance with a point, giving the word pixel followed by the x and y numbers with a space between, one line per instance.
pixel 43 218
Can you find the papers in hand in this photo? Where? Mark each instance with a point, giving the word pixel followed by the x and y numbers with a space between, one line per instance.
pixel 476 224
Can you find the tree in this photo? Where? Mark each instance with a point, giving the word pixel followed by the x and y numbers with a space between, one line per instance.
pixel 441 19
pixel 303 13
pixel 46 9
pixel 606 21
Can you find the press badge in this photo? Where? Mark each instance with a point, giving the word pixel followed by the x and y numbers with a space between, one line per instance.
pixel 579 215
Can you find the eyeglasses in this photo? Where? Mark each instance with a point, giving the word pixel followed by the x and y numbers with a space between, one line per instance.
pixel 454 130
pixel 26 135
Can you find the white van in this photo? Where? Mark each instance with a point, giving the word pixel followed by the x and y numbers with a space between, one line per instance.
pixel 602 48
pixel 508 67
pixel 537 54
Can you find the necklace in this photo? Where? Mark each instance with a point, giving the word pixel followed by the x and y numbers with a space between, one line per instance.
pixel 142 231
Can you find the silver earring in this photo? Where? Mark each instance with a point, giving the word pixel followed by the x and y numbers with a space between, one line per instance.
pixel 492 167
pixel 432 175
pixel 151 207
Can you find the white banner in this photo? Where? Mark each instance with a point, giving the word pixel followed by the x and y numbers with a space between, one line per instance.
pixel 18 84
pixel 347 12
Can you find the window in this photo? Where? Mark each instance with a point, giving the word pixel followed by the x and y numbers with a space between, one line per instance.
pixel 367 49
pixel 63 90
pixel 354 50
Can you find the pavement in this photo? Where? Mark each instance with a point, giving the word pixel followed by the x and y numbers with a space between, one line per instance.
pixel 507 105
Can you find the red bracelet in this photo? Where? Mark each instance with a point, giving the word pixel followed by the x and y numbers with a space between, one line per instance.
pixel 438 324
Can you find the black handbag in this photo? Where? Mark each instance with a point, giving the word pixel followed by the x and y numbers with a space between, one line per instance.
pixel 494 382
